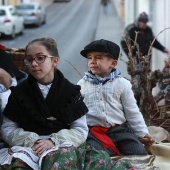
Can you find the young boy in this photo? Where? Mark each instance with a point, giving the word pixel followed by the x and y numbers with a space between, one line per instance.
pixel 114 119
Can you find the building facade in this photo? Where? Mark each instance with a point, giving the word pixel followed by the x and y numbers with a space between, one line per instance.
pixel 13 2
pixel 158 11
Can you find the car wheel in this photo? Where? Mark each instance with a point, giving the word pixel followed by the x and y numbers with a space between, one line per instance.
pixel 13 35
pixel 22 31
pixel 39 23
pixel 44 21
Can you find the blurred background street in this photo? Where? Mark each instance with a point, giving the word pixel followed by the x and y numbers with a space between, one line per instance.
pixel 76 23
pixel 73 25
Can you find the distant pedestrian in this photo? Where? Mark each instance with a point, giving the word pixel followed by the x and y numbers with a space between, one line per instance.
pixel 144 39
pixel 105 5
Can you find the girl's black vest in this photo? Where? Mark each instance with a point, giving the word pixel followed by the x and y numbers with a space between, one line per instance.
pixel 63 105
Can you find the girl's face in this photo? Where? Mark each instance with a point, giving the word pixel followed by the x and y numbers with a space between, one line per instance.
pixel 42 72
pixel 100 64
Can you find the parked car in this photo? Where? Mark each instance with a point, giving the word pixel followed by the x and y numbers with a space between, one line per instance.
pixel 10 22
pixel 33 13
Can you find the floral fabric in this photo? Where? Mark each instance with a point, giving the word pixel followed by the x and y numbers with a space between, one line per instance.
pixel 72 158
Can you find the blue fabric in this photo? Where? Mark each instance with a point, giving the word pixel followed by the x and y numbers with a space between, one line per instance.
pixel 2 88
pixel 89 76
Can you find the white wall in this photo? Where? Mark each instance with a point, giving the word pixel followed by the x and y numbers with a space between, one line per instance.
pixel 119 5
pixel 160 22
pixel 129 11
pixel 6 2
pixel 142 6
pixel 133 8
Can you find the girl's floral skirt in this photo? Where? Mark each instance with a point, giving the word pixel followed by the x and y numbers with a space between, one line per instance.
pixel 81 158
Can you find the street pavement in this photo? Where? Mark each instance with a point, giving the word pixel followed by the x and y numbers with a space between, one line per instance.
pixel 45 3
pixel 111 28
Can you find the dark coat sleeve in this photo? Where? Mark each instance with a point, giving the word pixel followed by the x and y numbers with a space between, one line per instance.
pixel 127 34
pixel 157 44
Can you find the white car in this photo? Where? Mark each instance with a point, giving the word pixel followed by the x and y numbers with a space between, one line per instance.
pixel 10 22
pixel 33 13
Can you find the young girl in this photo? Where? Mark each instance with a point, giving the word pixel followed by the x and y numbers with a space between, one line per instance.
pixel 45 111
pixel 44 120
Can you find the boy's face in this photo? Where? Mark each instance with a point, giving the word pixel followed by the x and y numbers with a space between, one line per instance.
pixel 100 64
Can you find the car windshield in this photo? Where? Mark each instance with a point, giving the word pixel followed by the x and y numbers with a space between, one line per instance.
pixel 25 6
pixel 2 12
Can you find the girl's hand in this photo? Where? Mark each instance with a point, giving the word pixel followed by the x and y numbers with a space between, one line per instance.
pixel 42 145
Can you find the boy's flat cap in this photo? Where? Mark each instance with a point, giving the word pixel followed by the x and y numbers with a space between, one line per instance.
pixel 102 46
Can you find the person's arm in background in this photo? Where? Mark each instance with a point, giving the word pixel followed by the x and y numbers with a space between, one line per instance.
pixel 5 79
pixel 5 83
pixel 124 45
pixel 158 45
pixel 128 33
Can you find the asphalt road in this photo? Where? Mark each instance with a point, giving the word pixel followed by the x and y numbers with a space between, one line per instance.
pixel 73 25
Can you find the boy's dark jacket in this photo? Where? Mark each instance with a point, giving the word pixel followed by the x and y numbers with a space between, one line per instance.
pixel 28 108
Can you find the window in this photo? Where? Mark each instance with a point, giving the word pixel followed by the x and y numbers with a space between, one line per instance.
pixel 12 11
pixel 2 13
pixel 25 6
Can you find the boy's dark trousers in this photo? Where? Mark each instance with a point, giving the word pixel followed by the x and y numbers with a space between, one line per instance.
pixel 124 139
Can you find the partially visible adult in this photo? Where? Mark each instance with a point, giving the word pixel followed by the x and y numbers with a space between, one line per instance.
pixel 7 63
pixel 144 38
pixel 140 32
pixel 5 84
pixel 10 76
pixel 164 83
pixel 5 80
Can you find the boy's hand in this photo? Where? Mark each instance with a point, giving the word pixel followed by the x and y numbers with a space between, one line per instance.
pixel 147 140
